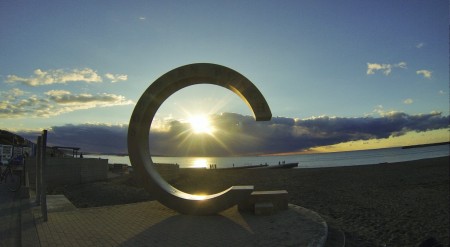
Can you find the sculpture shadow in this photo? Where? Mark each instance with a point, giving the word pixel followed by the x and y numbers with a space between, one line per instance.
pixel 189 230
pixel 234 228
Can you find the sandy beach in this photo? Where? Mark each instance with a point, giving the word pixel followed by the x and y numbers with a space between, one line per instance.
pixel 398 204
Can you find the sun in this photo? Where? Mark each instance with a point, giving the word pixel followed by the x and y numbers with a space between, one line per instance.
pixel 200 124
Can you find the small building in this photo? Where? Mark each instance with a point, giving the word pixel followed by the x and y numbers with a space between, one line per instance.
pixel 6 153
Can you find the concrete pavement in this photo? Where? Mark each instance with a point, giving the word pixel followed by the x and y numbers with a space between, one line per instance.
pixel 152 224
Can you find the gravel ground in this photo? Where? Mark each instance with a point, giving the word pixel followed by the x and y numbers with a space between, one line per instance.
pixel 399 204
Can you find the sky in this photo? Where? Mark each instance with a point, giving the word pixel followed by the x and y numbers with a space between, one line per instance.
pixel 337 75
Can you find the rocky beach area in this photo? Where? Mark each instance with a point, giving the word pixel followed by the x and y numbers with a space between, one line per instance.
pixel 397 204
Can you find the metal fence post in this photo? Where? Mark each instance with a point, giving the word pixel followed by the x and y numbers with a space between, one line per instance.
pixel 44 176
pixel 38 170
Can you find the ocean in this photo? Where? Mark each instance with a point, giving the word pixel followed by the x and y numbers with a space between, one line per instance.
pixel 317 160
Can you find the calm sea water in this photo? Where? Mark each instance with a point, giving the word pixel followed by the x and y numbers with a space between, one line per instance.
pixel 364 157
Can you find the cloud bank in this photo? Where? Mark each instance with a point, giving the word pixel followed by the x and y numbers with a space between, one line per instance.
pixel 240 135
pixel 60 76
pixel 41 77
pixel 20 104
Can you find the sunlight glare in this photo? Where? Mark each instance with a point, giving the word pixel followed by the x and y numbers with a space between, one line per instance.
pixel 201 124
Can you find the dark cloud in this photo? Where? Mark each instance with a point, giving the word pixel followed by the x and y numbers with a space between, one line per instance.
pixel 99 138
pixel 240 135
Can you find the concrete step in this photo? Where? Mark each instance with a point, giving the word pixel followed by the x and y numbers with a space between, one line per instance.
pixel 261 199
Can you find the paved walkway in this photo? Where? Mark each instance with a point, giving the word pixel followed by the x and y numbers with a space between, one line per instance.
pixel 10 208
pixel 151 224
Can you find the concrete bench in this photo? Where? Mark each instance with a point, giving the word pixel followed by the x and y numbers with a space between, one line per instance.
pixel 265 202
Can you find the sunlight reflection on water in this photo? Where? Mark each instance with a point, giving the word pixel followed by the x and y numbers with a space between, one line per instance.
pixel 199 163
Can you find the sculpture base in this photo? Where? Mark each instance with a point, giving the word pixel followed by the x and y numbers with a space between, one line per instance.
pixel 152 224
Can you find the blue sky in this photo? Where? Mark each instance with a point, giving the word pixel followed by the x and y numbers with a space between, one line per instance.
pixel 84 64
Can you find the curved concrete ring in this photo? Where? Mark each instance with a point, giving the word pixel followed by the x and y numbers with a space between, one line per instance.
pixel 144 112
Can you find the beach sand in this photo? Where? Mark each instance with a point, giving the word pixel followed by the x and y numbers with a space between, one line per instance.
pixel 398 204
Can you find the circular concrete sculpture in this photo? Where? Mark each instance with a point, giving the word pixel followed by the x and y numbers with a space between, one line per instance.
pixel 144 112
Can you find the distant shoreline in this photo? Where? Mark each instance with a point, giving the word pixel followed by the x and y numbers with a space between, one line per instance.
pixel 426 145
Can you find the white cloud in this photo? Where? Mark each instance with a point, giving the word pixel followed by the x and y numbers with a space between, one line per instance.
pixel 386 69
pixel 401 65
pixel 408 101
pixel 372 67
pixel 116 77
pixel 16 92
pixel 41 77
pixel 425 73
pixel 57 93
pixel 379 109
pixel 420 45
pixel 56 102
pixel 11 94
pixel 142 18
